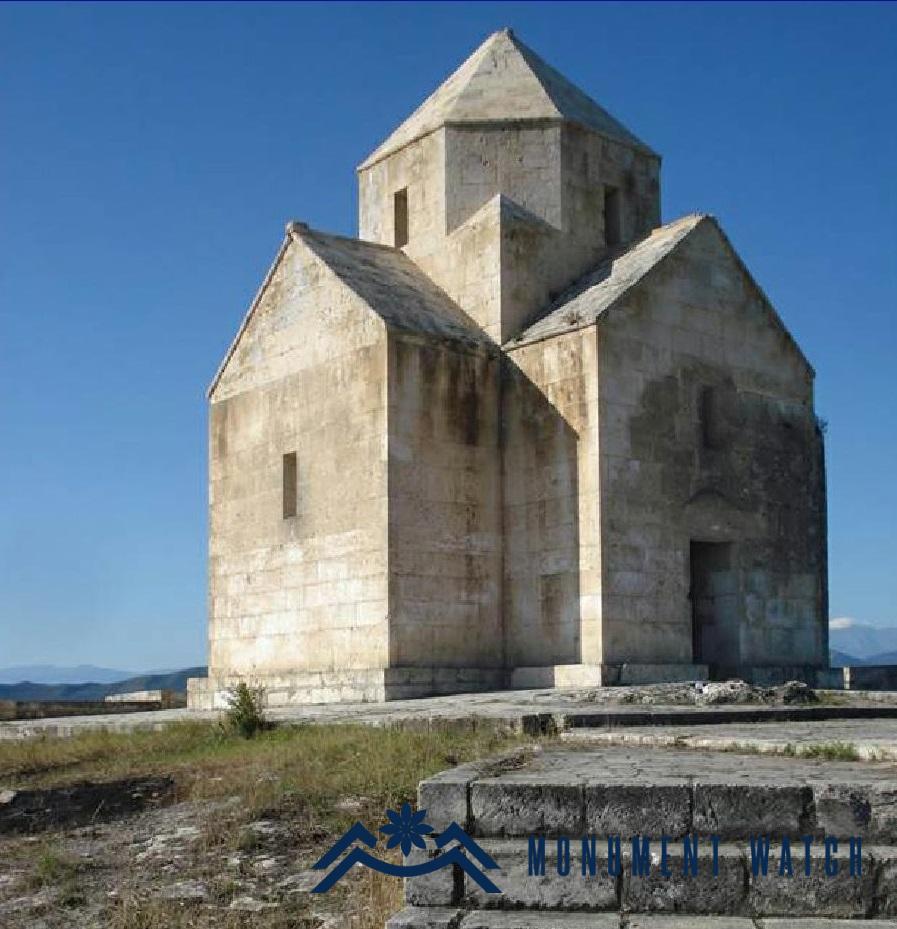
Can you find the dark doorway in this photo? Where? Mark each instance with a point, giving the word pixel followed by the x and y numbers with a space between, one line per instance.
pixel 715 608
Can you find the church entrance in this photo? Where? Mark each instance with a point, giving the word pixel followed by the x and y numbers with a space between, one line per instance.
pixel 715 608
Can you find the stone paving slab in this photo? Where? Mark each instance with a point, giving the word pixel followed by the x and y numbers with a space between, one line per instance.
pixel 454 918
pixel 645 921
pixel 792 923
pixel 873 740
pixel 532 711
pixel 485 919
pixel 560 791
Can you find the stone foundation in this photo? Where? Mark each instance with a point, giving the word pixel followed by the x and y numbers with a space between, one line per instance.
pixel 605 675
pixel 362 685
pixel 378 685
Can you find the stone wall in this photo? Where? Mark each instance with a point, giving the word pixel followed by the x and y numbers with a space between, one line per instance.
pixel 419 167
pixel 521 162
pixel 49 709
pixel 552 547
pixel 708 434
pixel 307 592
pixel 164 698
pixel 590 163
pixel 444 512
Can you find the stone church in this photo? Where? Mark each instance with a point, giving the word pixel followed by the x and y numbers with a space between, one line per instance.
pixel 518 433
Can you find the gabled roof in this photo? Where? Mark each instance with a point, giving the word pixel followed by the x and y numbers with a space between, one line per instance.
pixel 392 285
pixel 582 303
pixel 385 279
pixel 504 81
pixel 586 301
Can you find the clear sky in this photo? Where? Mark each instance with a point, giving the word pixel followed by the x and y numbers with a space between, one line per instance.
pixel 151 154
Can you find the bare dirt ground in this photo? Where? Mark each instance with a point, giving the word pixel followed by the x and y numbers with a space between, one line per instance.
pixel 182 866
pixel 230 844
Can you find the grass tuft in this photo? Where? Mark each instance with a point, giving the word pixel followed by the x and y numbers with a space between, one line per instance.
pixel 53 868
pixel 827 751
pixel 245 714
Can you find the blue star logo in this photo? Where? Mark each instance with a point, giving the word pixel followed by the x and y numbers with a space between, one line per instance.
pixel 406 828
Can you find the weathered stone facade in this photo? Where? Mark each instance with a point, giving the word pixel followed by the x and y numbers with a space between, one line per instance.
pixel 518 433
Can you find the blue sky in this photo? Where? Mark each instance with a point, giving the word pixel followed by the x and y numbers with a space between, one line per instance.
pixel 151 155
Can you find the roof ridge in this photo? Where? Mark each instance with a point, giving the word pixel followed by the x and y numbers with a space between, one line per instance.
pixel 302 230
pixel 470 61
pixel 496 38
pixel 558 83
pixel 390 283
pixel 618 271
pixel 393 287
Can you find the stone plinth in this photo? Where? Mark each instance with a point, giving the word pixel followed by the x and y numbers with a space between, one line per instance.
pixel 362 685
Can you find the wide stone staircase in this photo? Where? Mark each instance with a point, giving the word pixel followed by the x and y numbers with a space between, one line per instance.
pixel 551 821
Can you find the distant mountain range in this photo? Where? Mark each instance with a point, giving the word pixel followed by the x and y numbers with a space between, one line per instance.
pixel 858 643
pixel 840 659
pixel 53 674
pixel 98 689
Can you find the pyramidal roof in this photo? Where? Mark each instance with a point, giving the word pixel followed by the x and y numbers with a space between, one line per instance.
pixel 504 80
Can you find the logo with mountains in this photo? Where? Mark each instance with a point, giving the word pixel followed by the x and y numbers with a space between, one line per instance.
pixel 406 830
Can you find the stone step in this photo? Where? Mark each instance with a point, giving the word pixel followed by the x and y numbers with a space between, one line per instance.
pixel 633 716
pixel 454 918
pixel 863 742
pixel 558 875
pixel 446 918
pixel 634 790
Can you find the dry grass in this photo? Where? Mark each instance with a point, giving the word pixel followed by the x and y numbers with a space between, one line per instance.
pixel 300 771
pixel 314 781
pixel 133 913
pixel 372 901
pixel 321 760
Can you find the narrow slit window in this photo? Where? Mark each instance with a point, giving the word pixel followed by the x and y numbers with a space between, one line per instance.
pixel 612 220
pixel 707 415
pixel 400 217
pixel 290 485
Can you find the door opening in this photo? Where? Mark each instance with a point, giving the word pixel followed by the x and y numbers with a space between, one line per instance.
pixel 715 608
